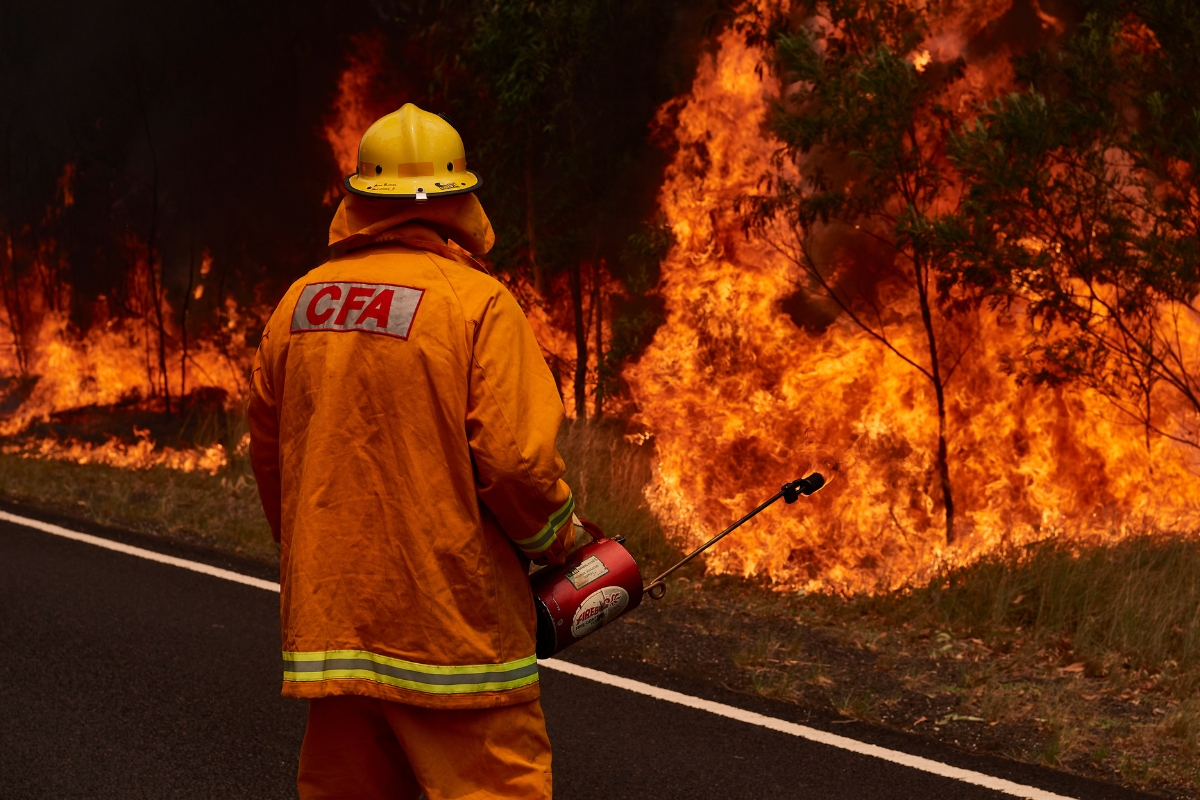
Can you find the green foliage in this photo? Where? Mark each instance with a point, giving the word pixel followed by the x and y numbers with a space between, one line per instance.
pixel 552 97
pixel 638 314
pixel 643 254
pixel 862 155
pixel 858 122
pixel 855 98
pixel 531 53
pixel 558 106
pixel 1083 205
pixel 528 61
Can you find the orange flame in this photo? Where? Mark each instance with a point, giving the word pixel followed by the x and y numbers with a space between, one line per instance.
pixel 112 363
pixel 740 400
pixel 355 107
pixel 142 454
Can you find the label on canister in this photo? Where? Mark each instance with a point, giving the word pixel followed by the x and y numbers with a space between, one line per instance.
pixel 598 608
pixel 588 570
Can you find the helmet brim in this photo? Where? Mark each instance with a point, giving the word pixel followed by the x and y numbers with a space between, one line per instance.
pixel 406 188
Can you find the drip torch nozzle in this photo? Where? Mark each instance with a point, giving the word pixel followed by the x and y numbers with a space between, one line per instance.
pixel 802 486
pixel 790 492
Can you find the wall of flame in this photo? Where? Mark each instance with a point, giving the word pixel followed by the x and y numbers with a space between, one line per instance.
pixel 737 398
pixel 740 400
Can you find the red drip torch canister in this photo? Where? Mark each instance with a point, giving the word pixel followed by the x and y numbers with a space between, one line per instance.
pixel 598 583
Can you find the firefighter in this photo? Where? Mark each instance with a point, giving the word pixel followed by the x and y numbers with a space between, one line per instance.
pixel 402 423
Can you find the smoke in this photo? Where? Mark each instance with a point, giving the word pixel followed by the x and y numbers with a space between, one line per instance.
pixel 197 123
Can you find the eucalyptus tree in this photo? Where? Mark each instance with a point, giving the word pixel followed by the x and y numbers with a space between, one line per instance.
pixel 862 164
pixel 1083 207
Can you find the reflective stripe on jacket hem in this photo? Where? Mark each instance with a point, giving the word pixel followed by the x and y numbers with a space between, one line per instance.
pixel 538 543
pixel 364 665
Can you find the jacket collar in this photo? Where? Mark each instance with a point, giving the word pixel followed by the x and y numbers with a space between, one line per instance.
pixel 453 227
pixel 418 237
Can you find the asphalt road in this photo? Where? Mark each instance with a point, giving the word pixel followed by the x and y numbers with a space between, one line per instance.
pixel 126 678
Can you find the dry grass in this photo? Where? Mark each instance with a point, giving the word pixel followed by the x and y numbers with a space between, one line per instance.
pixel 220 510
pixel 1087 661
pixel 607 473
pixel 1107 641
pixel 1134 604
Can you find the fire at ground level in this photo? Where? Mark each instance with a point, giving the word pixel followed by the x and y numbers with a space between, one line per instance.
pixel 750 380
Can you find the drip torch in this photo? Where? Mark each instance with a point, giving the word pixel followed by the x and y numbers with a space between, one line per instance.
pixel 601 581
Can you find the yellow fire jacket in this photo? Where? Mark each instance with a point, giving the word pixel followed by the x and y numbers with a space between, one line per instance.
pixel 402 425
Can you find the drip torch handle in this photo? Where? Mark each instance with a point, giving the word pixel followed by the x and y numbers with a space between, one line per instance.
pixel 790 492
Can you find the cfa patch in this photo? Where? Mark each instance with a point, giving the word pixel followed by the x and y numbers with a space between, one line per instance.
pixel 369 307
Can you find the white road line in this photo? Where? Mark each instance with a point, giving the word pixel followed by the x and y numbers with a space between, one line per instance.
pixel 720 709
pixel 803 731
pixel 108 544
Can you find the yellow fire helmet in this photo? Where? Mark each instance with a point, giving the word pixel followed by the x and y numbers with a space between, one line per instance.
pixel 411 155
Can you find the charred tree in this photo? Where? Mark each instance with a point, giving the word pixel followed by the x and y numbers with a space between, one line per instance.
pixel 598 320
pixel 153 267
pixel 921 272
pixel 9 279
pixel 183 314
pixel 535 266
pixel 13 305
pixel 581 336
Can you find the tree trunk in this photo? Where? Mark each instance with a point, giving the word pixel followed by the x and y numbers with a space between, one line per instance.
pixel 12 296
pixel 12 306
pixel 47 275
pixel 156 299
pixel 581 350
pixel 556 372
pixel 943 461
pixel 222 337
pixel 183 333
pixel 156 294
pixel 539 280
pixel 598 314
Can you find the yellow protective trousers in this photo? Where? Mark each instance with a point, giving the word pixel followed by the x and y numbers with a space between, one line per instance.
pixel 360 748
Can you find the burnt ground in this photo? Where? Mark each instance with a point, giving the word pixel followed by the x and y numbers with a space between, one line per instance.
pixel 200 418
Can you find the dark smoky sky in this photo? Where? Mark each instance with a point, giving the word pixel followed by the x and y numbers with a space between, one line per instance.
pixel 214 107
pixel 200 123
